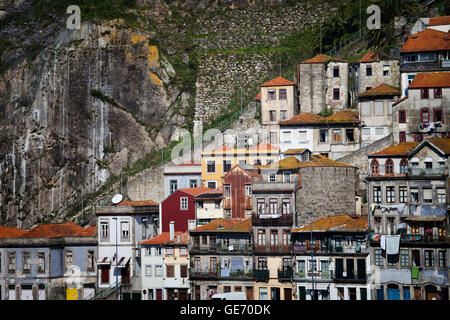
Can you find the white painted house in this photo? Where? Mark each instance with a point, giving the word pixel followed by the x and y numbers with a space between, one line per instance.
pixel 120 228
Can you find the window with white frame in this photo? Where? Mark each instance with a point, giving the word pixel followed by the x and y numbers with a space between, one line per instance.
pixel 272 177
pixel 125 230
pixel 403 194
pixel 302 136
pixel 148 251
pixel 271 95
pixel 169 251
pixel 68 259
pixel 287 137
pixel 390 194
pixel 12 264
pixel 104 230
pixel 158 251
pixel 248 190
pixel 173 185
pixel 441 195
pixel 379 109
pixel 378 257
pixel 183 203
pixel 148 270
pixel 211 166
pixel 404 258
pixel 192 183
pixel 90 260
pixel 183 251
pixel 286 176
pixel 365 108
pixel 26 265
pixel 158 270
pixel 227 190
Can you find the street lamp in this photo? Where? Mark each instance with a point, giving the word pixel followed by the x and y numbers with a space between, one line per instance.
pixel 312 257
pixel 117 266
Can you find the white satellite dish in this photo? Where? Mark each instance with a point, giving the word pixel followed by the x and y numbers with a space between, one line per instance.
pixel 117 198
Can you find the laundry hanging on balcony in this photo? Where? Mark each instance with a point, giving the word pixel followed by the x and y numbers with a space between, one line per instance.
pixel 392 244
pixel 399 207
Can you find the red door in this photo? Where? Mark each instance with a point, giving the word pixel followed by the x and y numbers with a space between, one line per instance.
pixel 158 294
pixel 105 275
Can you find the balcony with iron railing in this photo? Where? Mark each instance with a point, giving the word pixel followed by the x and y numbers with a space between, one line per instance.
pixel 424 238
pixel 346 277
pixel 220 274
pixel 261 275
pixel 273 249
pixel 276 219
pixel 319 276
pixel 285 275
pixel 220 248
pixel 434 65
pixel 305 249
pixel 414 172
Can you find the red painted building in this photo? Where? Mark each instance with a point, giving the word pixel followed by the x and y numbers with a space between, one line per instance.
pixel 237 192
pixel 180 208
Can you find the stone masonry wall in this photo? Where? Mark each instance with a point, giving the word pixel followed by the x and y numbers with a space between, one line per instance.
pixel 326 191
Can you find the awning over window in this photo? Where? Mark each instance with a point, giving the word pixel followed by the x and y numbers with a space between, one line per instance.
pixel 104 261
pixel 123 261
pixel 426 218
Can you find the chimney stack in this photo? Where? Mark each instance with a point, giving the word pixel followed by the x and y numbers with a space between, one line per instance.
pixel 172 229
pixel 178 238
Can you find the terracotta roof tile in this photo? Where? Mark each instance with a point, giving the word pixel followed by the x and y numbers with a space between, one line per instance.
pixel 321 58
pixel 442 143
pixel 66 229
pixel 375 56
pixel 439 21
pixel 397 150
pixel 226 225
pixel 343 116
pixel 343 223
pixel 137 203
pixel 258 96
pixel 382 90
pixel 196 191
pixel 164 238
pixel 431 80
pixel 295 151
pixel 427 40
pixel 11 232
pixel 278 81
pixel 317 160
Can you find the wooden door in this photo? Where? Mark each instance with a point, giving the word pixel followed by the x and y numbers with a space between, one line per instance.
pixel 417 294
pixel 158 294
pixel 249 293
pixel 287 294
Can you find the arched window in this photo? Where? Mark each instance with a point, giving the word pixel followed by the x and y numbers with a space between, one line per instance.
pixel 403 166
pixel 374 166
pixel 389 166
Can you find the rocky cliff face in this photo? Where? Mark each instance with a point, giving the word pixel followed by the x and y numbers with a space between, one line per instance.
pixel 60 139
pixel 77 106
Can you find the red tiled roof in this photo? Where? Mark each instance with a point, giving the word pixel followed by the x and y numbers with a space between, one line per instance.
pixel 382 90
pixel 321 58
pixel 258 96
pixel 431 80
pixel 317 160
pixel 11 232
pixel 278 81
pixel 439 21
pixel 400 100
pixel 295 151
pixel 164 238
pixel 66 229
pixel 137 203
pixel 344 223
pixel 226 225
pixel 427 40
pixel 196 191
pixel 442 143
pixel 264 146
pixel 374 56
pixel 343 116
pixel 88 232
pixel 397 150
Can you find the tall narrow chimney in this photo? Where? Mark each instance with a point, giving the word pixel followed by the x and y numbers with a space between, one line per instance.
pixel 172 229
pixel 178 238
